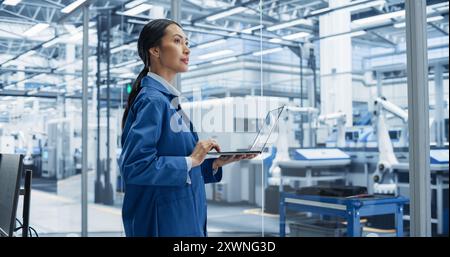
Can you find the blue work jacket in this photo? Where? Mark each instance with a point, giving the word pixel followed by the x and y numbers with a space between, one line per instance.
pixel 158 200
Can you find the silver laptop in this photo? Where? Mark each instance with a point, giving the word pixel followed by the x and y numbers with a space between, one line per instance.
pixel 262 138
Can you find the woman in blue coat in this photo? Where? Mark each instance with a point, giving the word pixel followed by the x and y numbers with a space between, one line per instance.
pixel 163 162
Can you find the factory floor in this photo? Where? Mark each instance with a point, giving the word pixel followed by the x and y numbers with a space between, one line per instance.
pixel 56 211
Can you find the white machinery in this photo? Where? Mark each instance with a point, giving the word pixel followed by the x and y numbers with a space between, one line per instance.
pixel 283 142
pixel 295 167
pixel 7 144
pixel 285 128
pixel 25 143
pixel 57 156
pixel 340 118
pixel 387 158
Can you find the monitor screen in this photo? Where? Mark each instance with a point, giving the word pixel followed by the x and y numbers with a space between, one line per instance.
pixel 10 168
pixel 394 134
pixel 352 136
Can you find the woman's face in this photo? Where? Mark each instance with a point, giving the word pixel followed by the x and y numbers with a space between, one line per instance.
pixel 174 50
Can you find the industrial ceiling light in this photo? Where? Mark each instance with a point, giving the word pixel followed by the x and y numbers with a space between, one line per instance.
pixel 354 6
pixel 296 35
pixel 128 64
pixel 357 33
pixel 215 54
pixel 250 30
pixel 290 24
pixel 275 40
pixel 28 54
pixel 227 60
pixel 437 7
pixel 138 9
pixel 268 51
pixel 78 36
pixel 226 13
pixel 379 18
pixel 443 9
pixel 71 7
pixel 52 42
pixel 430 19
pixel 127 75
pixel 370 4
pixel 11 2
pixel 134 3
pixel 130 46
pixel 36 29
pixel 212 43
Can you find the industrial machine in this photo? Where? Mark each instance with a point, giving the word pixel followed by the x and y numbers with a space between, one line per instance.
pixel 57 157
pixel 337 138
pixel 7 144
pixel 383 177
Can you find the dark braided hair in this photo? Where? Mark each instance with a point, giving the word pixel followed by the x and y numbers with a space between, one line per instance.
pixel 149 37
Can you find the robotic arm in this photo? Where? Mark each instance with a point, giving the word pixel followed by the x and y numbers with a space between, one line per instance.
pixel 282 142
pixel 387 156
pixel 285 128
pixel 341 120
pixel 382 103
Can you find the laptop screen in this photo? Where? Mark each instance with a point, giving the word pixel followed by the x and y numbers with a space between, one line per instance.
pixel 268 125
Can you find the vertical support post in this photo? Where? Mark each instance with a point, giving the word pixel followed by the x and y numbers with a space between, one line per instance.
pixel 315 101
pixel 301 95
pixel 399 220
pixel 313 66
pixel 353 223
pixel 84 123
pixel 98 183
pixel 418 108
pixel 108 198
pixel 282 212
pixel 439 203
pixel 176 16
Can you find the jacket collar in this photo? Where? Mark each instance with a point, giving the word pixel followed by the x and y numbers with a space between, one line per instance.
pixel 157 82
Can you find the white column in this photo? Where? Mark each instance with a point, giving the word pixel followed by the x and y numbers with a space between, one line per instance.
pixel 336 62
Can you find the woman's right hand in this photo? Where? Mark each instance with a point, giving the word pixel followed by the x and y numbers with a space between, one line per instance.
pixel 201 150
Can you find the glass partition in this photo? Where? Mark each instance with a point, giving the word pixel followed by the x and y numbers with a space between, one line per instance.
pixel 334 162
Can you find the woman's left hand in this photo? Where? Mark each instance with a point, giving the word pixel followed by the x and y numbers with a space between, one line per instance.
pixel 227 159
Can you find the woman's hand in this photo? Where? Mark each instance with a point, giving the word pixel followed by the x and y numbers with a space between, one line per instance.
pixel 227 159
pixel 201 150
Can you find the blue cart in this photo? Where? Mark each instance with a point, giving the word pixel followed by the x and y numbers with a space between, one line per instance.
pixel 351 209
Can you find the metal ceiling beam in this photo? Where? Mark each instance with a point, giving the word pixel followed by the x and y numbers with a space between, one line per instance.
pixel 65 16
pixel 383 38
pixel 53 3
pixel 18 15
pixel 436 27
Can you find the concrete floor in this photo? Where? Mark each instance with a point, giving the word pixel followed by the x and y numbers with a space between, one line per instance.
pixel 58 213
